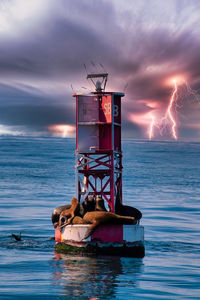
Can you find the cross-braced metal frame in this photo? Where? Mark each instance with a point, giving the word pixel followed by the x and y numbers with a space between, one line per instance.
pixel 99 174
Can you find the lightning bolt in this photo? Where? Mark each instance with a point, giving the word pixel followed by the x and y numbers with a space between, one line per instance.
pixel 151 126
pixel 169 119
pixel 169 111
pixel 163 119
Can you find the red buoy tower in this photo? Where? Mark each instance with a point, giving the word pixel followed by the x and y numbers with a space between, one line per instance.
pixel 99 174
pixel 98 144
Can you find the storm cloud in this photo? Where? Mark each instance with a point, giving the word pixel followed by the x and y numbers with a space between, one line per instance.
pixel 140 44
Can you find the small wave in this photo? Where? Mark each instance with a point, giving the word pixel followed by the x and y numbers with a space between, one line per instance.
pixel 172 246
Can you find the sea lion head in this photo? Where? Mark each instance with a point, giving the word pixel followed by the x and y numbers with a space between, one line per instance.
pixel 100 204
pixel 56 214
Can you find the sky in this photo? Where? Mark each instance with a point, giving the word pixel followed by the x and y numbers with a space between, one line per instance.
pixel 150 50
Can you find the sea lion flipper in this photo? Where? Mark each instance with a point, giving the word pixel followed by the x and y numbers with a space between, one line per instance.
pixel 70 213
pixel 91 229
pixel 74 205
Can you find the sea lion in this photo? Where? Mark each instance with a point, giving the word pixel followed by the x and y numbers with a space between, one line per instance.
pixel 125 210
pixel 95 218
pixel 100 204
pixel 69 213
pixel 56 214
pixel 87 205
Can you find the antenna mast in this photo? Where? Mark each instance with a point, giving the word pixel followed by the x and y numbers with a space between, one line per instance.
pixel 100 85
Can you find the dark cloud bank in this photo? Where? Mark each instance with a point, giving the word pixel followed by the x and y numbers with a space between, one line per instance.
pixel 38 67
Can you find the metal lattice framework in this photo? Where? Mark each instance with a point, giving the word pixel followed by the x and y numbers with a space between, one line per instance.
pixel 99 174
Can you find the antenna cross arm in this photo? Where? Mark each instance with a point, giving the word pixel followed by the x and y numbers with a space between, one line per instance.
pixel 97 75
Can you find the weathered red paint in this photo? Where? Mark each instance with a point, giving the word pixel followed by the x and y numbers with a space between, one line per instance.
pixel 98 146
pixel 57 235
pixel 111 233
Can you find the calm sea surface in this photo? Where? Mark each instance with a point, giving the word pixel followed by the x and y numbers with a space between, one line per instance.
pixel 162 179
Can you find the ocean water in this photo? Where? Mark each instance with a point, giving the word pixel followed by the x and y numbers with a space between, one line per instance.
pixel 162 179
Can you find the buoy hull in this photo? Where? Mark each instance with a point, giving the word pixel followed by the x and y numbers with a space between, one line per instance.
pixel 120 240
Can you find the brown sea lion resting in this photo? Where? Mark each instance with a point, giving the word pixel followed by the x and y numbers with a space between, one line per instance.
pixel 99 206
pixel 56 214
pixel 125 210
pixel 88 205
pixel 70 212
pixel 95 218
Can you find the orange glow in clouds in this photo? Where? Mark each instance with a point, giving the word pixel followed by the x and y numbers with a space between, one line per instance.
pixel 178 79
pixel 62 130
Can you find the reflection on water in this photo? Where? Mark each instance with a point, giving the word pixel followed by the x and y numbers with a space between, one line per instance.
pixel 94 277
